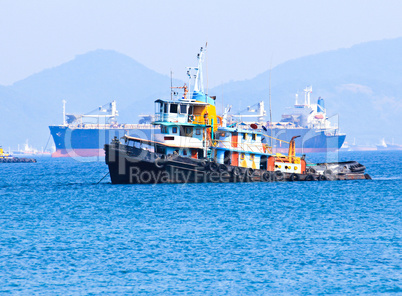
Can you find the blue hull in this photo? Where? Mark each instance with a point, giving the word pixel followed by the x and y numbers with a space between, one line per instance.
pixel 89 142
pixel 310 140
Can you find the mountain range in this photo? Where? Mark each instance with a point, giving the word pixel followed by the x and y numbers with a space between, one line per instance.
pixel 361 85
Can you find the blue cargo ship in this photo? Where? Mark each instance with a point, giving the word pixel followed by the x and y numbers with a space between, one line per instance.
pixel 311 123
pixel 307 120
pixel 84 135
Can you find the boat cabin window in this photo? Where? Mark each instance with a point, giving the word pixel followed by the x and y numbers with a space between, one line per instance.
pixel 254 137
pixel 160 149
pixel 183 109
pixel 190 109
pixel 186 131
pixel 245 136
pixel 165 108
pixel 198 131
pixel 161 107
pixel 164 129
pixel 174 130
pixel 184 152
pixel 173 108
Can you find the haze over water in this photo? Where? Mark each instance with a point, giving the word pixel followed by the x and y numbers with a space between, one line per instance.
pixel 62 233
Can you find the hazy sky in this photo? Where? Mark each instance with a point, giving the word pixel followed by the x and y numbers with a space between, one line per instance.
pixel 243 36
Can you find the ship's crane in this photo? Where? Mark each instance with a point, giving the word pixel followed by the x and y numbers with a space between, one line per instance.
pixel 109 108
pixel 258 108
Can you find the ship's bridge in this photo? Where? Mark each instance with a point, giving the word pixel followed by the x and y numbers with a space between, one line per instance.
pixel 184 112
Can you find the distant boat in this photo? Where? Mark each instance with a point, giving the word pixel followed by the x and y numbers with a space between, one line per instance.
pixel 29 150
pixel 356 147
pixel 388 146
pixel 345 147
pixel 8 158
pixel 4 154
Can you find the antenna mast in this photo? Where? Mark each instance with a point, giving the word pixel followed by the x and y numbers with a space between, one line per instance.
pixel 198 81
pixel 171 85
pixel 64 112
pixel 270 108
pixel 206 63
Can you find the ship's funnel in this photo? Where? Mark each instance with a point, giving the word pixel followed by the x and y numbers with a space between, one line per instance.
pixel 201 97
pixel 320 105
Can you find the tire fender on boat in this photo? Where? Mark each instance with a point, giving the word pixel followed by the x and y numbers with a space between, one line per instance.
pixel 310 170
pixel 235 171
pixel 294 177
pixel 159 163
pixel 322 178
pixel 249 172
pixel 310 177
pixel 223 168
pixel 204 164
pixel 279 175
pixel 266 176
pixel 213 166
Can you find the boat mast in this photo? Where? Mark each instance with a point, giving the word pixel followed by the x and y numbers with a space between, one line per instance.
pixel 198 79
pixel 270 107
pixel 198 85
pixel 64 112
pixel 171 85
pixel 307 91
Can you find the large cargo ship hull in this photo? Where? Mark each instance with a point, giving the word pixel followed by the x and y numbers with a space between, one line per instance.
pixel 310 140
pixel 84 142
pixel 70 142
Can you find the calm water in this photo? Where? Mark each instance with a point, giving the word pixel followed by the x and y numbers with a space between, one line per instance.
pixel 63 234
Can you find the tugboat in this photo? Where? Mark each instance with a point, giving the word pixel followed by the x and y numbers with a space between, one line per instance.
pixel 196 145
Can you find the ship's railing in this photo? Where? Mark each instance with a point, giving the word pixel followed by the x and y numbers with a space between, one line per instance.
pixel 183 118
pixel 331 132
pixel 261 148
pixel 276 139
pixel 112 126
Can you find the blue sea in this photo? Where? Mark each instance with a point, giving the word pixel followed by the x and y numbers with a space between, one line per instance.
pixel 64 234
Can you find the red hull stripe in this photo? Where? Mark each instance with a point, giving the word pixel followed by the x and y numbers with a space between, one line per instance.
pixel 78 153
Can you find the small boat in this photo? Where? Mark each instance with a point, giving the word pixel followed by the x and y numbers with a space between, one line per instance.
pixel 388 146
pixel 4 154
pixel 8 158
pixel 196 145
